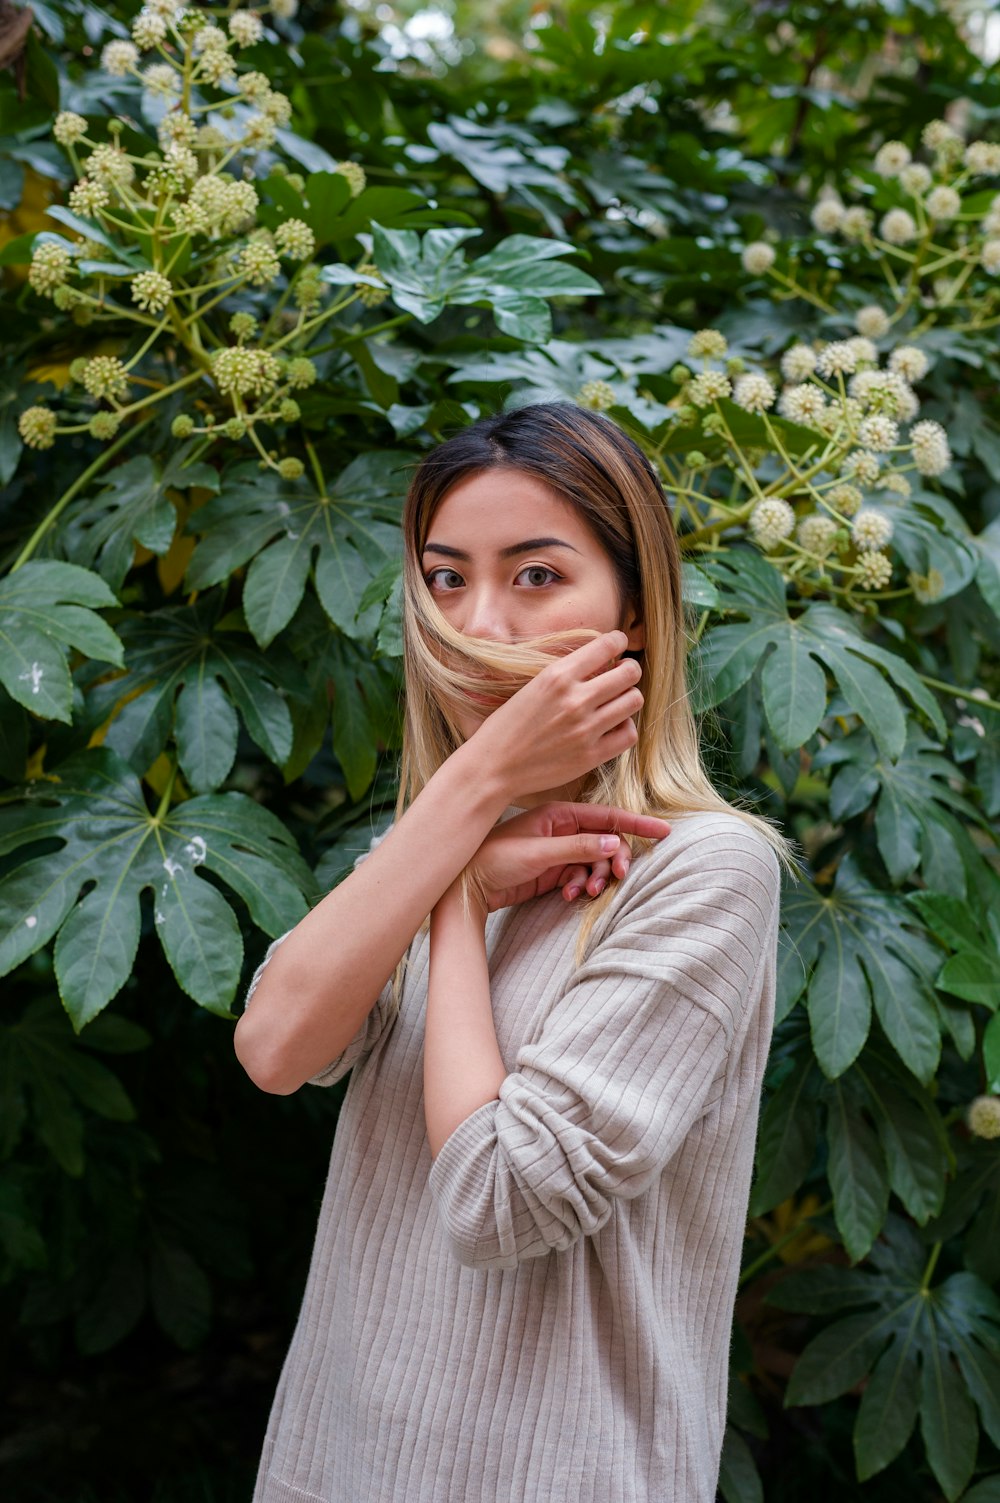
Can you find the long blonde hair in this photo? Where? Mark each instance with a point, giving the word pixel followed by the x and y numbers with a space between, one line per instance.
pixel 586 459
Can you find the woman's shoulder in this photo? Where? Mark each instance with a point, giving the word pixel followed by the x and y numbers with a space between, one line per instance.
pixel 713 848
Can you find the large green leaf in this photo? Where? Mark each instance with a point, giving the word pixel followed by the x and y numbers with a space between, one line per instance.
pixel 344 685
pixel 929 533
pixel 911 1134
pixel 343 538
pixel 786 1141
pixel 888 1410
pixel 42 1063
pixel 739 1480
pixel 850 948
pixel 915 806
pixel 110 844
pixel 856 1170
pixel 972 930
pixel 133 506
pixel 327 207
pixel 951 1330
pixel 515 278
pixel 47 609
pixel 822 639
pixel 186 676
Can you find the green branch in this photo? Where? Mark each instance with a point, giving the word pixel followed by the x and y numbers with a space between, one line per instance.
pixel 83 479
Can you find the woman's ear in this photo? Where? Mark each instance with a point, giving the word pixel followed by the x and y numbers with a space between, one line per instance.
pixel 634 630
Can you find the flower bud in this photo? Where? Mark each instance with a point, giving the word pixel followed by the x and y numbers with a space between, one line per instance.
pixel 37 427
pixel 104 425
pixel 984 1117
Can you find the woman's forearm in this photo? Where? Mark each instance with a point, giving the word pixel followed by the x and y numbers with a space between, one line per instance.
pixel 322 982
pixel 463 1069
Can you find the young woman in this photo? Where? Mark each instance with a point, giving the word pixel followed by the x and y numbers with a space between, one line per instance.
pixel 523 1277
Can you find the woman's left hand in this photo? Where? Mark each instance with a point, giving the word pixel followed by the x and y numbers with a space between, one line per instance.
pixel 558 845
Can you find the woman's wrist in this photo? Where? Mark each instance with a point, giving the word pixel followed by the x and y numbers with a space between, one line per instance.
pixel 483 781
pixel 459 909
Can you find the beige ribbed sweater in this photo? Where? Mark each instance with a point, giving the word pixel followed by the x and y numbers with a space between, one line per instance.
pixel 543 1314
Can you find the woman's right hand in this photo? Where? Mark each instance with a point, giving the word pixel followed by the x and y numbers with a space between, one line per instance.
pixel 572 717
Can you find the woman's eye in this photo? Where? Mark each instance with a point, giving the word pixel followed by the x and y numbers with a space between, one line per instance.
pixel 537 575
pixel 444 579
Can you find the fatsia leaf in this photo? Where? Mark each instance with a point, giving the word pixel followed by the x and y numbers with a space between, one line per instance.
pixel 343 538
pixel 915 806
pixel 951 1329
pixel 47 609
pixel 133 506
pixel 947 1421
pixel 821 640
pixel 787 1138
pixel 180 1294
pixel 40 1060
pixel 187 677
pixel 856 1170
pixel 110 844
pixel 912 1138
pixel 888 1410
pixel 839 1357
pixel 971 972
pixel 857 947
pixel 516 277
pixel 929 533
pixel 985 1491
pixel 739 1479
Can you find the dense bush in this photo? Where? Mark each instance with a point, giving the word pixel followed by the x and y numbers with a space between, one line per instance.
pixel 256 268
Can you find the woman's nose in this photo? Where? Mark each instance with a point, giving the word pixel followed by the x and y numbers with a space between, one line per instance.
pixel 485 616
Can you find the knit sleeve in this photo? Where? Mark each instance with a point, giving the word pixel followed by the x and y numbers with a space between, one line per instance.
pixel 633 1054
pixel 371 1030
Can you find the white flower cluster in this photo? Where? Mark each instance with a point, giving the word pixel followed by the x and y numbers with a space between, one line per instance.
pixel 860 405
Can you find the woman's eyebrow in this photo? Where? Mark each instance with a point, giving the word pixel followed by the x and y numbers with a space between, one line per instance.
pixel 526 547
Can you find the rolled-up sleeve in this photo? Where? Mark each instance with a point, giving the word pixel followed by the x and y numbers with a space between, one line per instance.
pixel 632 1055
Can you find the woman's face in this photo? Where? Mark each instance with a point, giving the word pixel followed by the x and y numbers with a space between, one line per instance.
pixel 508 559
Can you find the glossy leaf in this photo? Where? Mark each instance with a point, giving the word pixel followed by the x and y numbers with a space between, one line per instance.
pixel 888 1410
pixel 915 806
pixel 41 1063
pixel 133 506
pixel 786 1140
pixel 286 532
pixel 856 1170
pixel 110 843
pixel 820 639
pixel 515 278
pixel 951 1329
pixel 186 678
pixel 969 930
pixel 852 948
pixel 47 609
pixel 739 1479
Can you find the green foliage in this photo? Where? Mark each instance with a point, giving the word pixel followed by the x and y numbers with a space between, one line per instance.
pixel 200 631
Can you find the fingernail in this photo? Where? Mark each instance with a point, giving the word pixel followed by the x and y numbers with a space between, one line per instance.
pixel 571 893
pixel 599 887
pixel 610 842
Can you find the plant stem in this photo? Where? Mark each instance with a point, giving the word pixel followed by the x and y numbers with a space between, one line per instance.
pixel 775 1248
pixel 959 692
pixel 925 1282
pixel 317 469
pixel 67 496
pixel 164 804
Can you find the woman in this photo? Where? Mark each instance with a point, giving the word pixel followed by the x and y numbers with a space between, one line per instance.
pixel 523 1277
